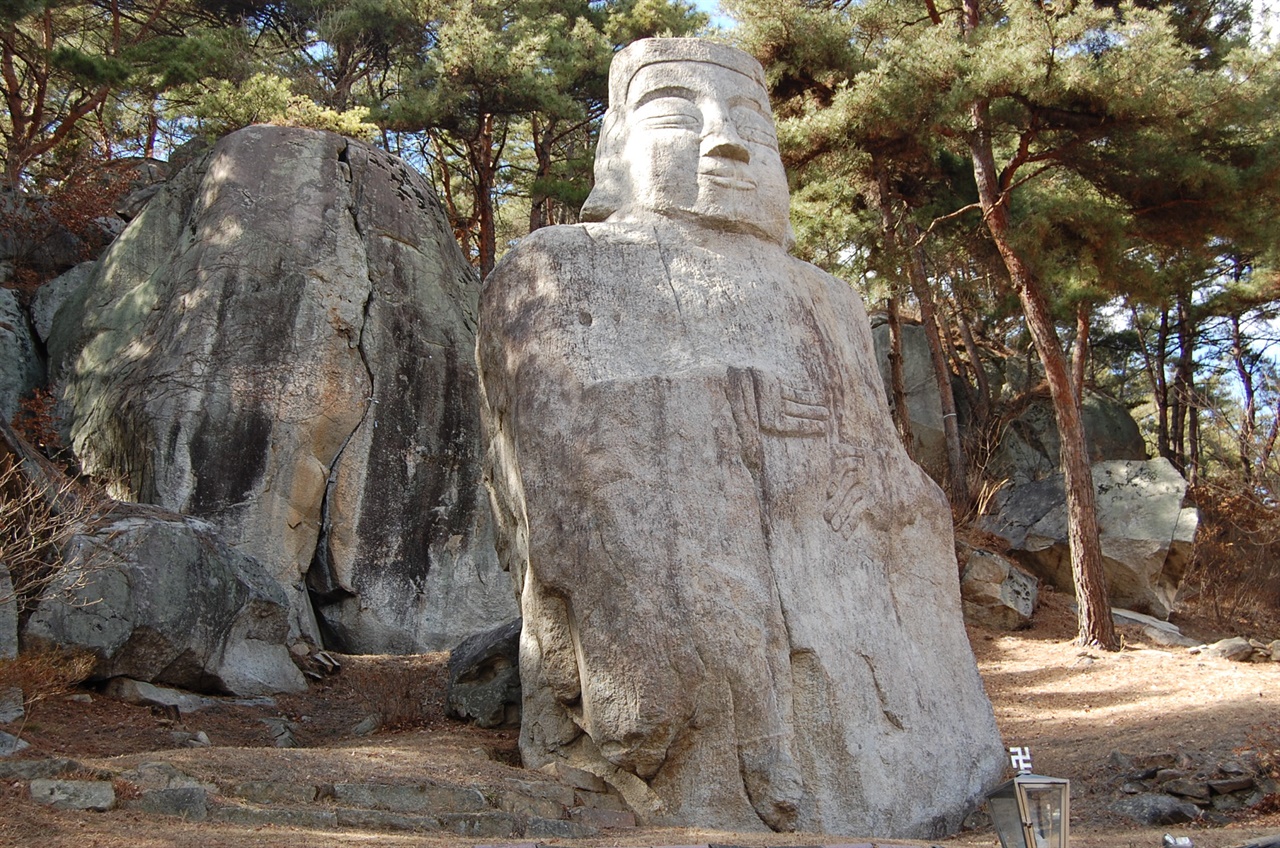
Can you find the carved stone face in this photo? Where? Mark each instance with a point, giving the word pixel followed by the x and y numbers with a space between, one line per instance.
pixel 693 140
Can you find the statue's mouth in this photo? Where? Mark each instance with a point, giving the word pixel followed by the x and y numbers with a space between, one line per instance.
pixel 728 179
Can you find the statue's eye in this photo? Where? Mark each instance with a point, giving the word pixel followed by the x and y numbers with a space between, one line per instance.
pixel 670 113
pixel 754 127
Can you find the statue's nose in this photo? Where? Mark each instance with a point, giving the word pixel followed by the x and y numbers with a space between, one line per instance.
pixel 721 140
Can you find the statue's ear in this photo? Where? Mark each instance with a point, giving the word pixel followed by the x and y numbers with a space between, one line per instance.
pixel 613 182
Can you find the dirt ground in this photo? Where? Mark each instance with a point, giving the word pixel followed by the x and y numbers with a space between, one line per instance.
pixel 1072 707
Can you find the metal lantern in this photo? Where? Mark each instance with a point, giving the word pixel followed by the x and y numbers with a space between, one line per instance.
pixel 1032 811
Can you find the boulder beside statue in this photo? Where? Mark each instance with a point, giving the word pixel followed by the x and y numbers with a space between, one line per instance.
pixel 740 598
pixel 281 343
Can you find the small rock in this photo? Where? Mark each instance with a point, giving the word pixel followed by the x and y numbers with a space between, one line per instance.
pixel 1236 649
pixel 520 804
pixel 410 798
pixel 480 824
pixel 558 829
pixel 1121 761
pixel 1133 787
pixel 34 769
pixel 256 816
pixel 189 803
pixel 1235 784
pixel 97 795
pixel 562 795
pixel 162 775
pixel 11 704
pixel 575 777
pixel 274 792
pixel 327 660
pixel 1233 768
pixel 1273 650
pixel 368 725
pixel 1158 631
pixel 282 732
pixel 1188 788
pixel 186 739
pixel 81 698
pixel 1166 774
pixel 1228 803
pixel 383 820
pixel 997 593
pixel 301 650
pixel 602 818
pixel 1152 809
pixel 1160 760
pixel 600 801
pixel 10 744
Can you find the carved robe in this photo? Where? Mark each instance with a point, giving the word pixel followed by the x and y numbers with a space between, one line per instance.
pixel 740 596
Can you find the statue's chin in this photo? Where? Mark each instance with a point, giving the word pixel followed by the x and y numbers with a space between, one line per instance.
pixel 714 221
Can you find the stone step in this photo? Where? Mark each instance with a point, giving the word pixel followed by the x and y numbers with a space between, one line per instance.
pixel 520 808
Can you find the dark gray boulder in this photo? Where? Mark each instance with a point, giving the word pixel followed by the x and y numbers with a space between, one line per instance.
pixel 1151 809
pixel 1030 447
pixel 281 343
pixel 161 598
pixel 484 677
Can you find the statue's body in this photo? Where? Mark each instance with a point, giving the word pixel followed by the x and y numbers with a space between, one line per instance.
pixel 739 594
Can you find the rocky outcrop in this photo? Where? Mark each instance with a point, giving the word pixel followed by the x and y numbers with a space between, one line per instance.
pixel 996 593
pixel 21 366
pixel 281 343
pixel 160 598
pixel 1146 531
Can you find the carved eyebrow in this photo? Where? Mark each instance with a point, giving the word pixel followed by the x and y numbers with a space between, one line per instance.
pixel 752 103
pixel 667 91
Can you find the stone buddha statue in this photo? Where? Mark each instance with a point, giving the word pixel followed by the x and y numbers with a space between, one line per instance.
pixel 740 595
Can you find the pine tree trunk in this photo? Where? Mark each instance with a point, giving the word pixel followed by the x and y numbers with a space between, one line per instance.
pixel 1249 414
pixel 1080 352
pixel 1095 627
pixel 975 365
pixel 486 172
pixel 957 471
pixel 1162 388
pixel 897 382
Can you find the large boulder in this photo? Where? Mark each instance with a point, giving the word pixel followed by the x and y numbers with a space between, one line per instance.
pixel 1147 532
pixel 1030 447
pixel 740 599
pixel 281 343
pixel 484 678
pixel 160 597
pixel 21 365
pixel 1029 444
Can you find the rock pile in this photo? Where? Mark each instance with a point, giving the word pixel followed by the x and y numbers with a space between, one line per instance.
pixel 1240 649
pixel 1171 788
